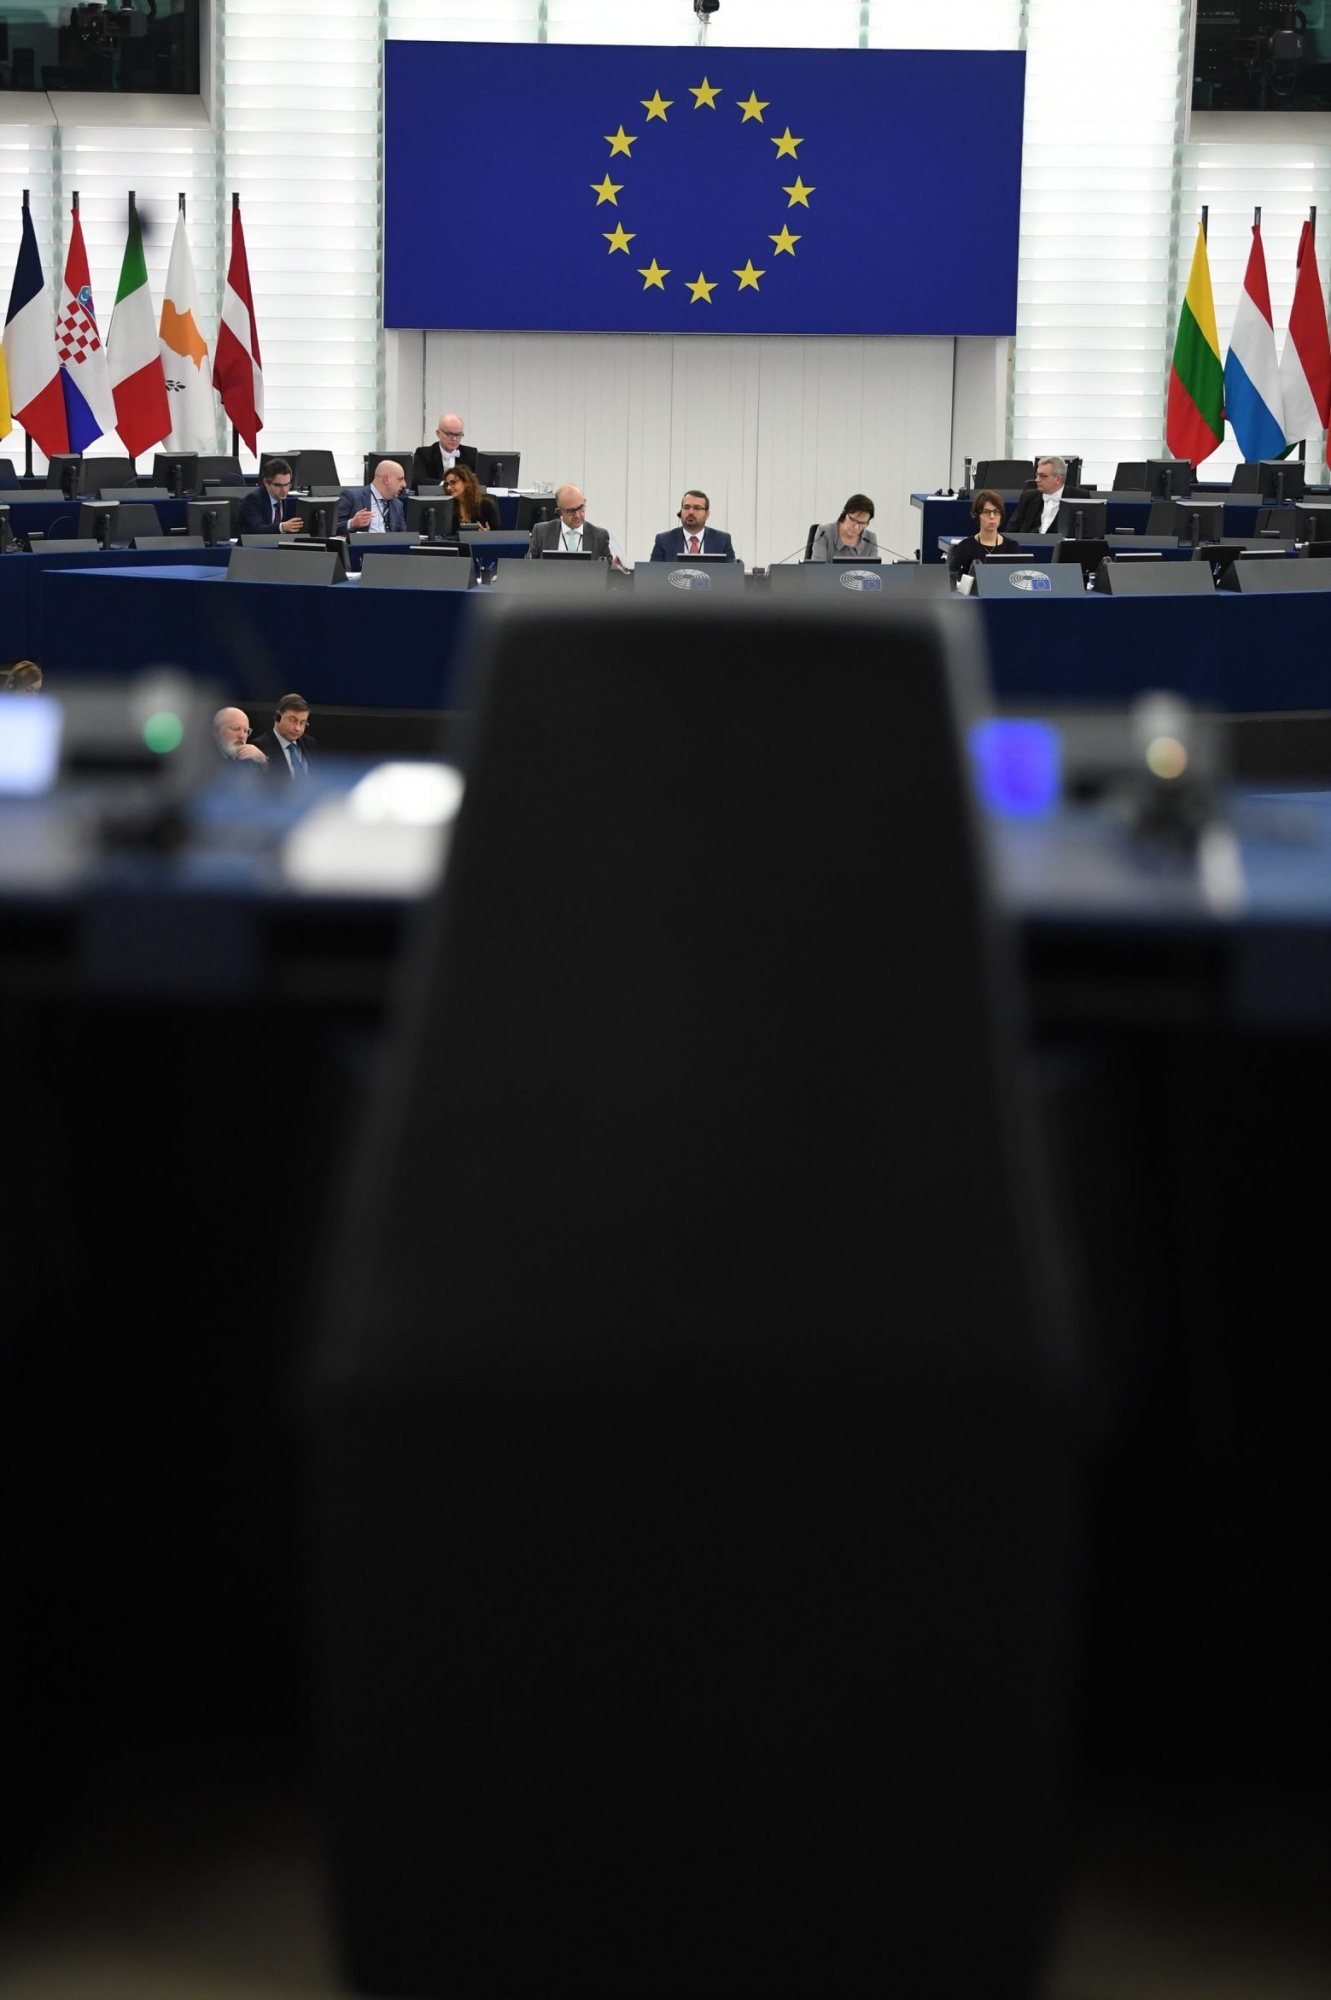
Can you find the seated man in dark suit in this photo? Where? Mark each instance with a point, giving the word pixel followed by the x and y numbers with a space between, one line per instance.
pixel 270 510
pixel 429 462
pixel 570 532
pixel 377 507
pixel 693 537
pixel 1037 513
pixel 284 745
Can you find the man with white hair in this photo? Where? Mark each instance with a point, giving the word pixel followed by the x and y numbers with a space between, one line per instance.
pixel 231 733
pixel 1037 513
pixel 431 461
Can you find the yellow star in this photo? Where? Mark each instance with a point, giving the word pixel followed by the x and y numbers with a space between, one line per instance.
pixel 798 193
pixel 705 93
pixel 748 276
pixel 785 241
pixel 752 107
pixel 606 190
pixel 619 238
pixel 785 145
pixel 656 106
pixel 620 142
pixel 702 289
pixel 653 275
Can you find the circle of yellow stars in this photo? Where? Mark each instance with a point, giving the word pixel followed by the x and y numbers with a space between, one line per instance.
pixel 621 144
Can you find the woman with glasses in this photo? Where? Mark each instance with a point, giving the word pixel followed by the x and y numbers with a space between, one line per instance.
pixel 988 510
pixel 849 538
pixel 472 505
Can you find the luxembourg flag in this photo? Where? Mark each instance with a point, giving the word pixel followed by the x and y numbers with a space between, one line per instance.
pixel 34 376
pixel 85 382
pixel 1253 401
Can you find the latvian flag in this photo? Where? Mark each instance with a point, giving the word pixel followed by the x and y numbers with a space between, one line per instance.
pixel 237 368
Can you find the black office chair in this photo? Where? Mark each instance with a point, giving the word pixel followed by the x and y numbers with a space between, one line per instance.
pixel 134 518
pixel 533 508
pixel 221 467
pixel 1130 476
pixel 688 1422
pixel 1246 478
pixel 8 473
pixel 1278 521
pixel 107 472
pixel 318 468
pixel 1161 521
pixel 1004 474
pixel 402 456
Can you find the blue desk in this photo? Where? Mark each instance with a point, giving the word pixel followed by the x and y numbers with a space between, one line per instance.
pixel 944 516
pixel 23 590
pixel 341 646
pixel 61 517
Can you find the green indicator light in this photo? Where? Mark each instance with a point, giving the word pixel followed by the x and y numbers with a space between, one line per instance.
pixel 163 731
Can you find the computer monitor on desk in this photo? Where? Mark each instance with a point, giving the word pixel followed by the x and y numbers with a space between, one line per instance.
pixel 1312 522
pixel 1083 520
pixel 1281 480
pixel 431 514
pixel 1169 478
pixel 178 471
pixel 210 519
pixel 319 516
pixel 1199 520
pixel 498 468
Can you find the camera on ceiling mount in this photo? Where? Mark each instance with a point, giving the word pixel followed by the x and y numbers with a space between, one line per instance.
pixel 702 8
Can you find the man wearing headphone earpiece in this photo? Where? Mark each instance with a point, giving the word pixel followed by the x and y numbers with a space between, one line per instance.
pixel 693 537
pixel 286 745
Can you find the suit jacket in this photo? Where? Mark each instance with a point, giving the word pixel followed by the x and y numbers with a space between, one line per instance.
pixel 1025 517
pixel 487 518
pixel 427 464
pixel 255 513
pixel 352 498
pixel 545 535
pixel 674 544
pixel 277 762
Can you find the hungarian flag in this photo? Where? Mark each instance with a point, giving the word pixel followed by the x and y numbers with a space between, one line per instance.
pixel 34 373
pixel 238 371
pixel 1305 365
pixel 1195 418
pixel 184 351
pixel 85 381
pixel 143 416
pixel 1253 402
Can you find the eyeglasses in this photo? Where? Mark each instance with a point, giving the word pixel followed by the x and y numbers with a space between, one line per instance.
pixel 571 513
pixel 280 485
pixel 449 434
pixel 860 520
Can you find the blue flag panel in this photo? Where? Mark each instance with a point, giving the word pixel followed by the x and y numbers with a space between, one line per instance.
pixel 687 190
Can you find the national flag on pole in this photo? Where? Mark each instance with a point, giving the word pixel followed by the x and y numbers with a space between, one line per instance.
pixel 238 372
pixel 1195 417
pixel 143 416
pixel 85 381
pixel 1305 365
pixel 189 380
pixel 1253 401
pixel 34 374
pixel 6 414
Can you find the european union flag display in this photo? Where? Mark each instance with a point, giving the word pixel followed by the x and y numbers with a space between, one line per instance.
pixel 693 190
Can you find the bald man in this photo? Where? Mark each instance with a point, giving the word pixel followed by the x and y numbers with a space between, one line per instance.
pixel 429 462
pixel 375 509
pixel 570 532
pixel 231 733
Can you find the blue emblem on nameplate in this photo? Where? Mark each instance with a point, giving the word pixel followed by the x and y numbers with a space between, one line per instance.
pixel 689 579
pixel 859 579
pixel 1030 579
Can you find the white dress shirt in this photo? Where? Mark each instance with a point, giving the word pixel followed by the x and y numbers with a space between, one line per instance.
pixel 1049 516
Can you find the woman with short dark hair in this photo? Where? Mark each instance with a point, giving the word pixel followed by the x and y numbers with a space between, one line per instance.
pixel 987 510
pixel 848 538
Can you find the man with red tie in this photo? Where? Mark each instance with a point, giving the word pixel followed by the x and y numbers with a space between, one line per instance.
pixel 693 537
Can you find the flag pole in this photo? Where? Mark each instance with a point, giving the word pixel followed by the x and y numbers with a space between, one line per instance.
pixel 27 434
pixel 1312 238
pixel 235 434
pixel 1205 215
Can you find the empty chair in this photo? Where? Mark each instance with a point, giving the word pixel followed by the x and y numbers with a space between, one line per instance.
pixel 1161 519
pixel 1130 476
pixel 688 1421
pixel 133 518
pixel 317 467
pixel 100 473
pixel 1004 474
pixel 221 467
pixel 8 473
pixel 1246 478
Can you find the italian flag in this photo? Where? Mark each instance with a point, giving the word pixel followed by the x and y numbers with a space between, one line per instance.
pixel 1195 418
pixel 143 414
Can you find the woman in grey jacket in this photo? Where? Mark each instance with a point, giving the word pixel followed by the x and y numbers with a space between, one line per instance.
pixel 848 538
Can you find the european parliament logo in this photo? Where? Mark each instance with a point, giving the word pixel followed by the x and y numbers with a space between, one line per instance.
pixel 651 190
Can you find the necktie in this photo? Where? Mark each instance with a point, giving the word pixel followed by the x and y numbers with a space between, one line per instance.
pixel 297 762
pixel 277 513
pixel 693 545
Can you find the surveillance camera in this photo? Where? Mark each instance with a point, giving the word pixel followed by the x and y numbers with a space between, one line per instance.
pixel 705 7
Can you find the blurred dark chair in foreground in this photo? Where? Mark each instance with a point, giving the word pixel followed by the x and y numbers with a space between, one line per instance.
pixel 691 1431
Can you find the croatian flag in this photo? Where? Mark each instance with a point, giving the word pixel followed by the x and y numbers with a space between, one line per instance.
pixel 34 376
pixel 1253 402
pixel 84 378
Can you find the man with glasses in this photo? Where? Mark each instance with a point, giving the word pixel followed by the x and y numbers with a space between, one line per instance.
pixel 231 733
pixel 429 462
pixel 1037 513
pixel 270 510
pixel 570 533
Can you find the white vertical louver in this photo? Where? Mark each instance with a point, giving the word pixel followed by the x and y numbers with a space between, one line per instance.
pixel 958 24
pixel 1095 295
pixel 298 99
pixel 462 21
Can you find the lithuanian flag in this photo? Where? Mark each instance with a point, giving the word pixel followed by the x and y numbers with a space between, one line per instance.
pixel 1195 418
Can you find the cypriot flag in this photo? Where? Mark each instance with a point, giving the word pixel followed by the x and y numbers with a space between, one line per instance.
pixel 189 379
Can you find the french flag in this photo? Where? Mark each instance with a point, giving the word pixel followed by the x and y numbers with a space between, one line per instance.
pixel 1253 402
pixel 34 375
